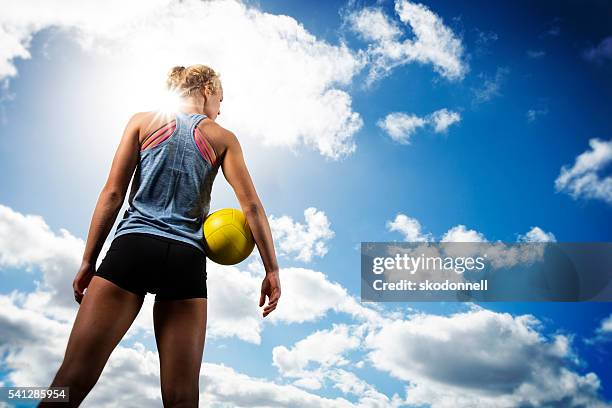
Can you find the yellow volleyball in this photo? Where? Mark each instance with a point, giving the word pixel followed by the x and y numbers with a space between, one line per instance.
pixel 227 237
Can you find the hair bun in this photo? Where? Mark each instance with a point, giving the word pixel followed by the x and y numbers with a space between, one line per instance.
pixel 177 70
pixel 175 76
pixel 187 80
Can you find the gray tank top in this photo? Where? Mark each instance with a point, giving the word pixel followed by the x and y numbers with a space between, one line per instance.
pixel 170 194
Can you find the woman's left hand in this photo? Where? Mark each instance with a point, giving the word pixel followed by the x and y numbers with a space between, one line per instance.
pixel 82 279
pixel 270 287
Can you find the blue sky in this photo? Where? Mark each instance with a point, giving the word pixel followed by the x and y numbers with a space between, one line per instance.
pixel 532 90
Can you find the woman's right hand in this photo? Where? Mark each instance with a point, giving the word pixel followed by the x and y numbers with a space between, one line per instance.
pixel 81 281
pixel 270 287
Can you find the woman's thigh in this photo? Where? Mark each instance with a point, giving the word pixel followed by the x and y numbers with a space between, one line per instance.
pixel 105 314
pixel 180 330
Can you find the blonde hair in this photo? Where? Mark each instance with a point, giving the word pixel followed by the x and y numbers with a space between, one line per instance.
pixel 186 81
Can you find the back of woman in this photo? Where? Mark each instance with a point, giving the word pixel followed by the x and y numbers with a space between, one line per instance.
pixel 158 247
pixel 170 194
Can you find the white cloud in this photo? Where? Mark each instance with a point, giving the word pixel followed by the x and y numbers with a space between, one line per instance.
pixel 460 233
pixel 480 359
pixel 528 366
pixel 374 25
pixel 34 345
pixel 442 119
pixel 324 347
pixel 582 180
pixel 433 43
pixel 233 298
pixel 34 333
pixel 436 43
pixel 58 256
pixel 602 335
pixel 606 324
pixel 305 241
pixel 34 341
pixel 410 227
pixel 313 295
pixel 234 293
pixel 349 383
pixel 412 230
pixel 308 296
pixel 490 86
pixel 499 254
pixel 267 61
pixel 223 386
pixel 29 336
pixel 401 126
pixel 536 234
pixel 327 351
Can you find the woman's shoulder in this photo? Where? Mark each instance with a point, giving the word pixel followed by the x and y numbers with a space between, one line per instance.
pixel 149 121
pixel 215 128
pixel 220 137
pixel 145 118
pixel 143 115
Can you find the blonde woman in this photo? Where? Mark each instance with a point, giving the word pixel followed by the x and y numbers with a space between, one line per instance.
pixel 158 244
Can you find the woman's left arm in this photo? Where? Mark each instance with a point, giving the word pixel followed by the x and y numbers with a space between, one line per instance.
pixel 109 202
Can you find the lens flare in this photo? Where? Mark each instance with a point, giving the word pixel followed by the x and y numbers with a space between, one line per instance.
pixel 169 102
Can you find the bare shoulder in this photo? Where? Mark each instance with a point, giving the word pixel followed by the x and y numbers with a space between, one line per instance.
pixel 141 118
pixel 219 137
pixel 150 121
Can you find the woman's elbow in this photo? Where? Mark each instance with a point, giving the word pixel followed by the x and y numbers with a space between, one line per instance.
pixel 113 196
pixel 253 208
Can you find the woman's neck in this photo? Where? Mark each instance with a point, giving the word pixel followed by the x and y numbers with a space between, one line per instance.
pixel 191 106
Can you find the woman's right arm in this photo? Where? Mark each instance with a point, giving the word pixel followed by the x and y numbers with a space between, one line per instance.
pixel 236 173
pixel 109 203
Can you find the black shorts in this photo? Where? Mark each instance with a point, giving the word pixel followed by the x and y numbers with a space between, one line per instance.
pixel 141 263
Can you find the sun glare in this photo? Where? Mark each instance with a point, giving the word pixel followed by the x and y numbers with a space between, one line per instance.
pixel 169 102
pixel 139 90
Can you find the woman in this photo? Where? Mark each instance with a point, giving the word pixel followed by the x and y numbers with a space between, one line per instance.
pixel 158 244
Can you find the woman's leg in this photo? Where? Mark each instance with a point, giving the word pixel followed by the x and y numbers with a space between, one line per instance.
pixel 105 314
pixel 180 329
